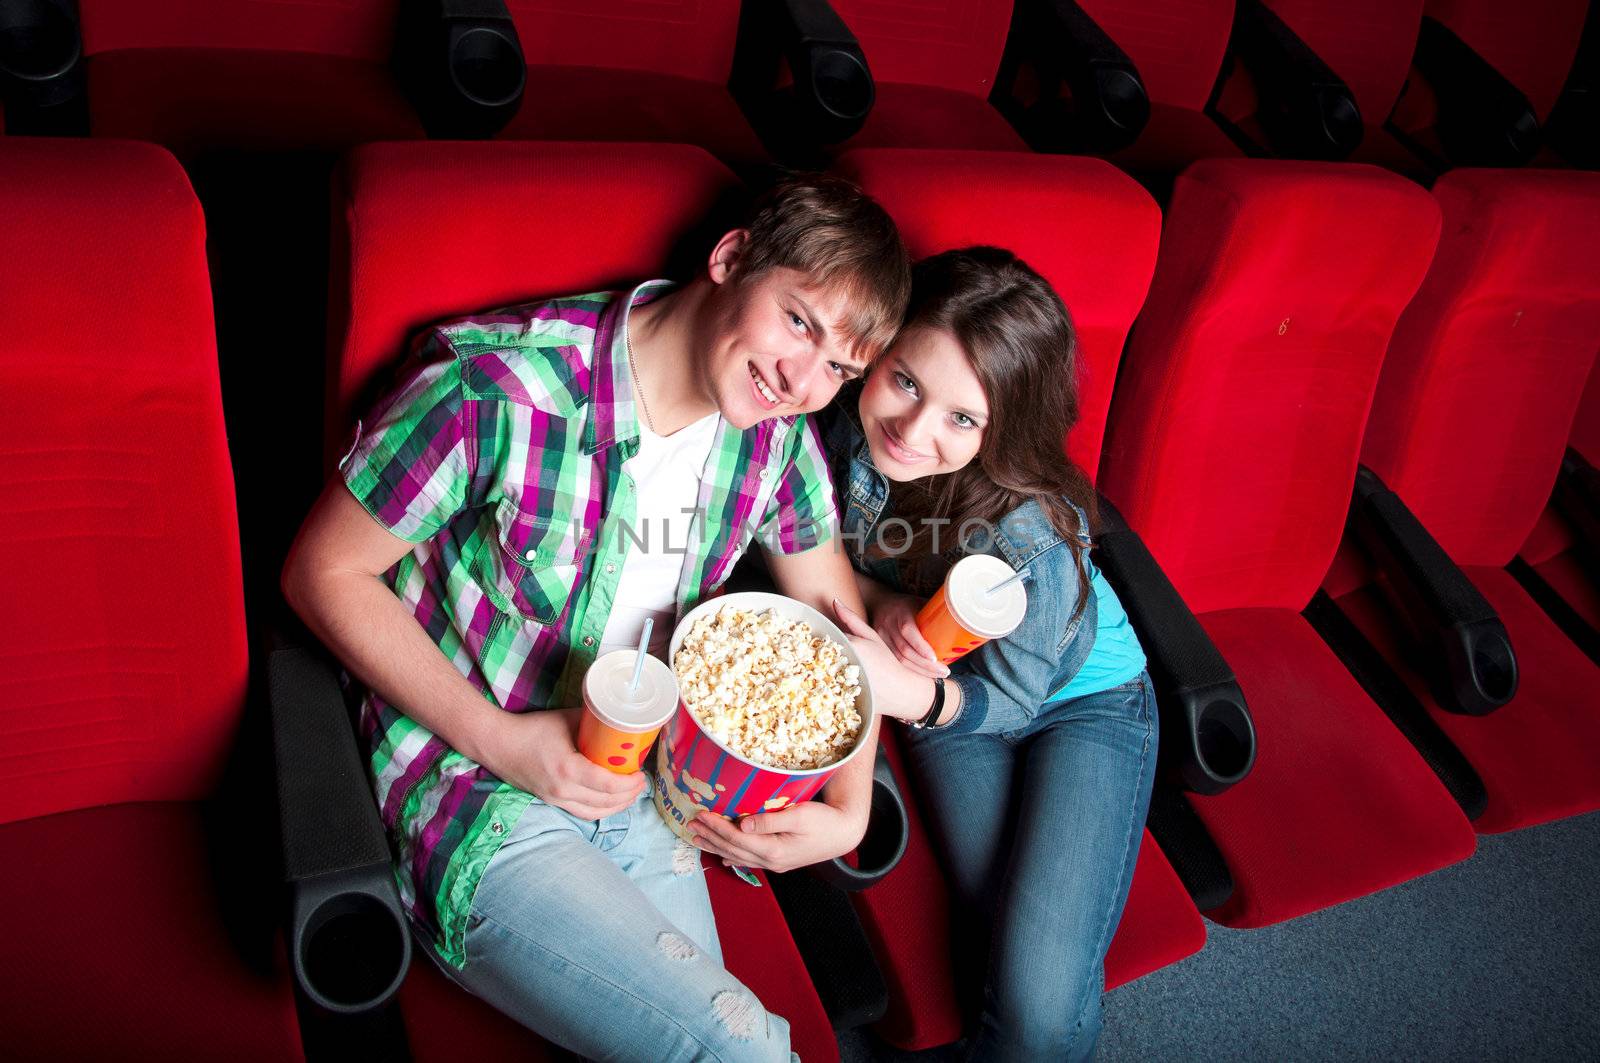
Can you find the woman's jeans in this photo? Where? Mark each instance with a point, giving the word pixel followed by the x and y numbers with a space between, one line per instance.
pixel 1040 829
pixel 599 935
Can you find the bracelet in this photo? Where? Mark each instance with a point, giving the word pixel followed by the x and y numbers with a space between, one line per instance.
pixel 938 706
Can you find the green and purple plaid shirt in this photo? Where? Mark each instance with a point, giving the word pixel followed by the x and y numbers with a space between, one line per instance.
pixel 501 456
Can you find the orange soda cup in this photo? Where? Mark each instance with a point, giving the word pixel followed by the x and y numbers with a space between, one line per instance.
pixel 967 611
pixel 621 720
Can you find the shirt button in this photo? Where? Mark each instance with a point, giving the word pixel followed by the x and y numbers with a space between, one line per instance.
pixel 530 554
pixel 588 640
pixel 764 473
pixel 610 568
pixel 497 827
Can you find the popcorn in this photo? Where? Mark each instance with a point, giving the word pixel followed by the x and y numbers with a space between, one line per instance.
pixel 770 689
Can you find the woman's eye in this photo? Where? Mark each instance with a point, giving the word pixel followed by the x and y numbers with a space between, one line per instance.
pixel 797 321
pixel 838 370
pixel 963 421
pixel 905 382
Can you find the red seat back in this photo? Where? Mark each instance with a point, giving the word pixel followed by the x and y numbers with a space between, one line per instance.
pixel 1083 224
pixel 1177 45
pixel 429 231
pixel 125 658
pixel 954 45
pixel 1237 422
pixel 1486 368
pixel 686 38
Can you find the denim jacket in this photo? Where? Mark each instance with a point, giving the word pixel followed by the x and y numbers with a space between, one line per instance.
pixel 1005 681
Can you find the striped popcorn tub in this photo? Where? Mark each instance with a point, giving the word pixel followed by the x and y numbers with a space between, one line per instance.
pixel 695 773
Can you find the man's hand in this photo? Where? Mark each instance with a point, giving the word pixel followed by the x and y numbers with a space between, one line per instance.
pixel 537 752
pixel 896 690
pixel 895 620
pixel 804 834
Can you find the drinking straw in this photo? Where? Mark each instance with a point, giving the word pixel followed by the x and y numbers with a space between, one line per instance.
pixel 644 644
pixel 1009 580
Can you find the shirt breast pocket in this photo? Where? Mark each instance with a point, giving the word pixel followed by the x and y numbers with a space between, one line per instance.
pixel 534 564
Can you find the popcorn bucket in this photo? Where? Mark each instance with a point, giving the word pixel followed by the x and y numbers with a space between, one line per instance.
pixel 695 773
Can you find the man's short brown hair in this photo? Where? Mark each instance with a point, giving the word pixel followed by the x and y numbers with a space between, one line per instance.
pixel 838 236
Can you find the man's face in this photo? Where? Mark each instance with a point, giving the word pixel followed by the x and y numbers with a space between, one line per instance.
pixel 775 348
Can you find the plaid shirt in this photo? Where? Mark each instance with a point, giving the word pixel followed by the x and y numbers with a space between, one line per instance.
pixel 501 456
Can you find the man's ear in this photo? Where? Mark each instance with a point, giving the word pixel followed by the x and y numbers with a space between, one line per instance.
pixel 726 255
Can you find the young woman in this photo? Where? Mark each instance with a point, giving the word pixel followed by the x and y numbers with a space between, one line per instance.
pixel 1036 770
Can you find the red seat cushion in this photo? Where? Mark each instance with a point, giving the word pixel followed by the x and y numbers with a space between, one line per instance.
pixel 1537 754
pixel 443 1022
pixel 607 103
pixel 1159 925
pixel 924 116
pixel 117 948
pixel 197 99
pixel 1339 804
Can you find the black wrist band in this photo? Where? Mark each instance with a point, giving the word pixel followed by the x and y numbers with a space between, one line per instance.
pixel 938 706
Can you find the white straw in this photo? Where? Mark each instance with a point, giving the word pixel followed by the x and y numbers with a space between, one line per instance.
pixel 1008 581
pixel 644 644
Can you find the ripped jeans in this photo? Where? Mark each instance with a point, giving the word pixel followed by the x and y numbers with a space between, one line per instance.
pixel 599 936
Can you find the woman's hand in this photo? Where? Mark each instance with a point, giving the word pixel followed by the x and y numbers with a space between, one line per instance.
pixel 896 621
pixel 896 690
pixel 804 834
pixel 537 752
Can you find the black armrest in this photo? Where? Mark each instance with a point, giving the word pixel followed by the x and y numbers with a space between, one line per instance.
pixel 1578 496
pixel 884 843
pixel 1189 847
pixel 1109 103
pixel 1472 668
pixel 348 940
pixel 1484 120
pixel 461 65
pixel 42 81
pixel 1306 109
pixel 833 90
pixel 1208 741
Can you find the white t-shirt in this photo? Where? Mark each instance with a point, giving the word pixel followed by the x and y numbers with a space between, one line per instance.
pixel 666 475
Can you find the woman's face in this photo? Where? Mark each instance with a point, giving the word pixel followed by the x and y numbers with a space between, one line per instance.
pixel 922 408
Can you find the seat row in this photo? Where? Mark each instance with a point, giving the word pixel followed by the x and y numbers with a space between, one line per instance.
pixel 1340 416
pixel 1153 85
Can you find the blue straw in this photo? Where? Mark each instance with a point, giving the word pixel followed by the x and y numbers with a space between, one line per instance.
pixel 644 644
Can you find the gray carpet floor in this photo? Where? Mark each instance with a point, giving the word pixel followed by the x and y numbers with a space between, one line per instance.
pixel 1496 958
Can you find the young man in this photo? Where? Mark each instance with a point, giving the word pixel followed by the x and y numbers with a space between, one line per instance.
pixel 495 529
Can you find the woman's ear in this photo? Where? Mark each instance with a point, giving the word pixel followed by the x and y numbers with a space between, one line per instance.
pixel 726 255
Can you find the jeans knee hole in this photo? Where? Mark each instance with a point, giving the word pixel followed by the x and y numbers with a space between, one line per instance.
pixel 738 1012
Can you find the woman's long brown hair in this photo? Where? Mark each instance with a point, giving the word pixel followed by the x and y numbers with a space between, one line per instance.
pixel 1019 338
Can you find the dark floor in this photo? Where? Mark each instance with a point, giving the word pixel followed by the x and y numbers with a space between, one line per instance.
pixel 1497 958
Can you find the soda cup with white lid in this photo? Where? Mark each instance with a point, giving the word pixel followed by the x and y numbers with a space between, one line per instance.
pixel 974 605
pixel 622 719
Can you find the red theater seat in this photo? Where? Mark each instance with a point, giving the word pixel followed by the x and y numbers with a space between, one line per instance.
pixel 560 219
pixel 244 74
pixel 1468 427
pixel 124 630
pixel 1232 449
pixel 1092 233
pixel 933 66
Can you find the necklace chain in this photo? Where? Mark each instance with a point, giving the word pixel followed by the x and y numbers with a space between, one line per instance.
pixel 638 385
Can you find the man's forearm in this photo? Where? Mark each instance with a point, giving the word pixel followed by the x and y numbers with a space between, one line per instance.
pixel 369 629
